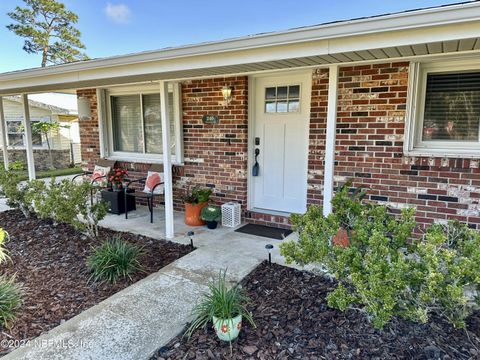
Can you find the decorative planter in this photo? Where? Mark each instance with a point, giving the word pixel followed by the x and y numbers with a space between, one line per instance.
pixel 228 329
pixel 342 238
pixel 116 201
pixel 192 214
pixel 211 224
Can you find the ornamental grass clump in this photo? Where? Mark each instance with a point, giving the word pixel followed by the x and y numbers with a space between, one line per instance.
pixel 113 260
pixel 386 270
pixel 10 299
pixel 11 294
pixel 220 303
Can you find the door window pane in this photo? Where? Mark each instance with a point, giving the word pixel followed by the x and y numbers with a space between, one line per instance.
pixel 282 99
pixel 452 107
pixel 127 124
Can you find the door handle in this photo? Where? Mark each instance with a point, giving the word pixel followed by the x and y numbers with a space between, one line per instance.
pixel 256 166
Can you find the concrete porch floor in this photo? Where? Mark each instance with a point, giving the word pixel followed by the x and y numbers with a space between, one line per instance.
pixel 136 321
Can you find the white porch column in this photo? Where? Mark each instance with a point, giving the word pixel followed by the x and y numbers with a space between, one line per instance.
pixel 167 160
pixel 3 139
pixel 28 137
pixel 330 139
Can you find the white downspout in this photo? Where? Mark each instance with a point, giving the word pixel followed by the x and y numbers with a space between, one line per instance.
pixel 330 139
pixel 167 160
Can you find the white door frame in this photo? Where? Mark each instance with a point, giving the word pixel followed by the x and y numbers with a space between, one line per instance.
pixel 251 130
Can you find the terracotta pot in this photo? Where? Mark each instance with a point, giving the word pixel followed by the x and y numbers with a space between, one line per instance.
pixel 192 214
pixel 342 238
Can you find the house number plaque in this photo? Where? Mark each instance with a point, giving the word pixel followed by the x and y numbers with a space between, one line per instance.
pixel 210 119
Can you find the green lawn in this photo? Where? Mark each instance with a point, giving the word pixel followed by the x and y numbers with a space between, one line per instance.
pixel 50 173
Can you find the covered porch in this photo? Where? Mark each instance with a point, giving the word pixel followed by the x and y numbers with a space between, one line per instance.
pixel 322 51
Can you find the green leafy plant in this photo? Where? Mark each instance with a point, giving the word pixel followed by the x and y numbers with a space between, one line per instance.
pixel 17 165
pixel 10 299
pixel 211 213
pixel 197 195
pixel 114 259
pixel 220 302
pixel 385 271
pixel 3 251
pixel 18 195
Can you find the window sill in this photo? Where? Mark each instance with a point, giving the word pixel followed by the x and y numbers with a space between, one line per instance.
pixel 444 153
pixel 141 160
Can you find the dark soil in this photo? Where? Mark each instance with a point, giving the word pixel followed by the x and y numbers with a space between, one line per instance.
pixel 50 263
pixel 294 322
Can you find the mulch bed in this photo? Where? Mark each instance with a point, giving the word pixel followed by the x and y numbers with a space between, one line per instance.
pixel 294 322
pixel 50 262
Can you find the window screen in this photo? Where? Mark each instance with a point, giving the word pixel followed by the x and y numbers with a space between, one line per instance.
pixel 452 107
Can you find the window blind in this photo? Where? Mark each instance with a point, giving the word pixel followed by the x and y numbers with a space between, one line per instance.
pixel 452 107
pixel 127 124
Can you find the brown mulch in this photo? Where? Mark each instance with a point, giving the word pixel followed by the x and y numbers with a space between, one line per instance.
pixel 50 262
pixel 294 322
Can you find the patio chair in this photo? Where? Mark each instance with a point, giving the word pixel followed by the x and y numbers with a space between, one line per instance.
pixel 150 192
pixel 96 176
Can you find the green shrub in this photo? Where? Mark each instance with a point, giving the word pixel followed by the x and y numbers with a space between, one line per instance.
pixel 10 299
pixel 17 165
pixel 385 269
pixel 19 195
pixel 114 259
pixel 197 195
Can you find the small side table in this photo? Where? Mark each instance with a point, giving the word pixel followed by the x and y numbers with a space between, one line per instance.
pixel 116 201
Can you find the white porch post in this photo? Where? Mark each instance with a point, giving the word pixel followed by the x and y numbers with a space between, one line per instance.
pixel 167 160
pixel 28 137
pixel 4 135
pixel 330 139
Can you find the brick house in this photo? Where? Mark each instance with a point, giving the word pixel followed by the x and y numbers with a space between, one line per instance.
pixel 391 101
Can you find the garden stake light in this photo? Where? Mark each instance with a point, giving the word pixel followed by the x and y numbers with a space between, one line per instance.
pixel 269 247
pixel 190 235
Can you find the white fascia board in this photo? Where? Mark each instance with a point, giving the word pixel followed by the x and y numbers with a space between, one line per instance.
pixel 405 20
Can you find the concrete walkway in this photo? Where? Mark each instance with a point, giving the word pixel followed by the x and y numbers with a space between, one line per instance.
pixel 135 322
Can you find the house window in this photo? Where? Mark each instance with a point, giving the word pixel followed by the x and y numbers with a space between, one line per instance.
pixel 16 135
pixel 135 127
pixel 282 99
pixel 445 115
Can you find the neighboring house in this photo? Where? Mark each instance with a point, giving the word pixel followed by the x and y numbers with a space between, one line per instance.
pixel 63 142
pixel 391 101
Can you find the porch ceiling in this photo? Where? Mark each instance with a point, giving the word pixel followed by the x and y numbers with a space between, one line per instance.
pixel 423 34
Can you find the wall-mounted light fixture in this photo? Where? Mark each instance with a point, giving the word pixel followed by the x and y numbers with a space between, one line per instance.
pixel 84 108
pixel 227 95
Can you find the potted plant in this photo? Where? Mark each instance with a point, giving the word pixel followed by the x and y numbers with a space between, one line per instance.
pixel 211 214
pixel 225 308
pixel 116 177
pixel 195 200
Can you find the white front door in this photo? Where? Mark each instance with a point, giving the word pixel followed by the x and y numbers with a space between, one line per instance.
pixel 281 126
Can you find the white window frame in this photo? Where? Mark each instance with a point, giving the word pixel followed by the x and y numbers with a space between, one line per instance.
pixel 21 147
pixel 413 144
pixel 177 158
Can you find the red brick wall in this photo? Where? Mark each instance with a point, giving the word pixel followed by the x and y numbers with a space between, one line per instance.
pixel 89 135
pixel 369 149
pixel 215 155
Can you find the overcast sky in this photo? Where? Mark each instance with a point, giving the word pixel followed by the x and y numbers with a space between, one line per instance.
pixel 125 26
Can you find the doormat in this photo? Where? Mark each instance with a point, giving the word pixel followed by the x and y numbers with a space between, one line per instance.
pixel 265 231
